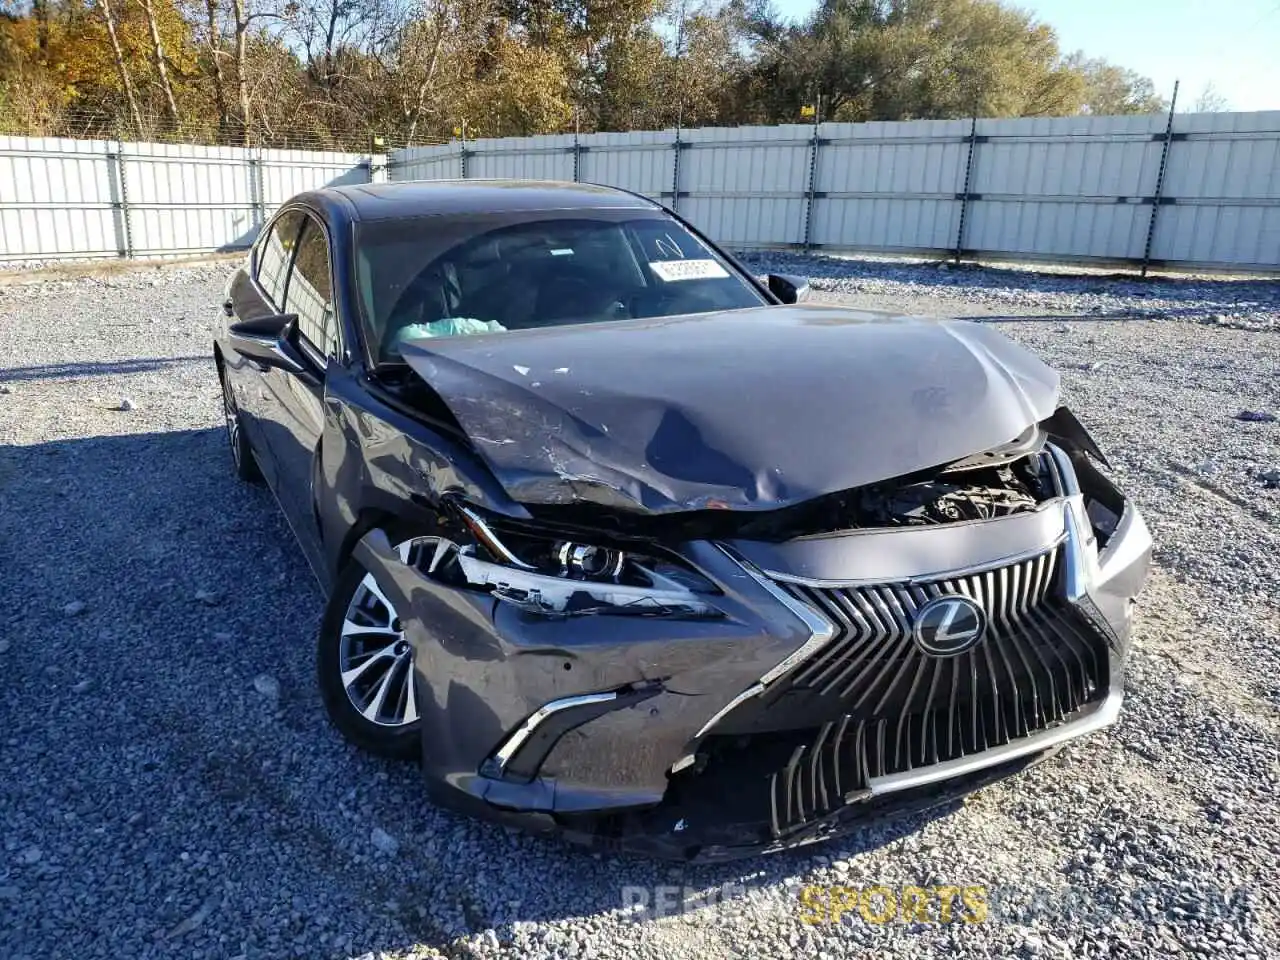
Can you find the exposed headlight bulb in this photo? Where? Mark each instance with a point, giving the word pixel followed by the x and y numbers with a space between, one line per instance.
pixel 591 562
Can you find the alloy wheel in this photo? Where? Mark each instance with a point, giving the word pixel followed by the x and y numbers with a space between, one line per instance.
pixel 375 659
pixel 232 417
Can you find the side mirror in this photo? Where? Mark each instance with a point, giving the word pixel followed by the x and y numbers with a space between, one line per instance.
pixel 788 289
pixel 267 342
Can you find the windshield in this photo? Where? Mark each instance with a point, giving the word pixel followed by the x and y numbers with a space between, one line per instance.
pixel 439 277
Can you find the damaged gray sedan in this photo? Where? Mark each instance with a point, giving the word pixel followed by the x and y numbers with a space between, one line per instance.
pixel 623 543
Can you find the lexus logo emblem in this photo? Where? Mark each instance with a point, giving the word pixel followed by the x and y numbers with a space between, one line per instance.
pixel 948 626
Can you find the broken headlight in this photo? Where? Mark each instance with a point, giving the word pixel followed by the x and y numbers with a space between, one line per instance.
pixel 550 574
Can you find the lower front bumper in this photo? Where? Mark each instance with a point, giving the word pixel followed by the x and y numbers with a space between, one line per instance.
pixel 666 832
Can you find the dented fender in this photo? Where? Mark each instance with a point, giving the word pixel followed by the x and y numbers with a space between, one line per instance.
pixel 482 666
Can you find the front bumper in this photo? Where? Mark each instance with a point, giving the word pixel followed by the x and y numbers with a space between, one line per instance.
pixel 712 738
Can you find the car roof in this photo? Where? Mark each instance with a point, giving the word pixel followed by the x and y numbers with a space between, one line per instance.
pixel 415 198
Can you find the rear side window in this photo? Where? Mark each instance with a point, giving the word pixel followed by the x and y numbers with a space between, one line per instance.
pixel 310 293
pixel 271 265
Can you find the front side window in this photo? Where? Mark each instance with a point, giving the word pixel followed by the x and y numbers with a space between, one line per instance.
pixel 435 276
pixel 310 292
pixel 271 261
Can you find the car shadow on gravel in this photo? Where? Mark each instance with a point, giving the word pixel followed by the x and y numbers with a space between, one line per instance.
pixel 174 675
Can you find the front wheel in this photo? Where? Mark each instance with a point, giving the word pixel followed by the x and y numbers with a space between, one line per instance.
pixel 364 662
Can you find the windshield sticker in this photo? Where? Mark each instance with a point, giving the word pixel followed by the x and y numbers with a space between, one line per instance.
pixel 673 270
pixel 563 252
pixel 668 248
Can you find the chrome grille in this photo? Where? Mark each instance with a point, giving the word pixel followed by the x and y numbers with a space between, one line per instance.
pixel 884 706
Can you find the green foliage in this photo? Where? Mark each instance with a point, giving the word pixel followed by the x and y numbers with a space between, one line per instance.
pixel 1110 90
pixel 332 73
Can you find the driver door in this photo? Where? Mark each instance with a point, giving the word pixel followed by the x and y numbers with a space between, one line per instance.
pixel 300 396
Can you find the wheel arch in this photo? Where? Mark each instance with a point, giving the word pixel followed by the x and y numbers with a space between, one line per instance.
pixel 373 517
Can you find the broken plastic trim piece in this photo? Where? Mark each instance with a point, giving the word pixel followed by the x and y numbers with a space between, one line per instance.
pixel 552 595
pixel 490 539
pixel 1064 426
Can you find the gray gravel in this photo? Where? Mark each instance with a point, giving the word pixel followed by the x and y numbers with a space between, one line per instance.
pixel 169 787
pixel 991 293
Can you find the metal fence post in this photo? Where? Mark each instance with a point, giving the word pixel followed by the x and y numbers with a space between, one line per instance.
pixel 257 201
pixel 675 173
pixel 119 191
pixel 1157 200
pixel 965 196
pixel 577 147
pixel 811 192
pixel 462 152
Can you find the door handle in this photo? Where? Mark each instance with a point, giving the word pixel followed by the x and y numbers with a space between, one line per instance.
pixel 228 308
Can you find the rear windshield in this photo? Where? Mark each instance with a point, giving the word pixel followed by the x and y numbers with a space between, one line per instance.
pixel 454 276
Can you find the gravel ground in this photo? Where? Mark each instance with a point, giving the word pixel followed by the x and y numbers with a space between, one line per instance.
pixel 169 786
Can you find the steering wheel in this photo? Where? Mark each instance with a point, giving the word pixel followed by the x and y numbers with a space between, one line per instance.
pixel 665 301
pixel 431 295
pixel 574 297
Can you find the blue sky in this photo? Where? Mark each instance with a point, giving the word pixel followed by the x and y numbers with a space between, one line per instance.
pixel 1235 44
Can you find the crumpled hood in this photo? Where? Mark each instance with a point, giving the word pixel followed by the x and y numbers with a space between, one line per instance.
pixel 746 409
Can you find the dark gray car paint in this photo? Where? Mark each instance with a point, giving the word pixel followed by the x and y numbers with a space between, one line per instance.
pixel 482 666
pixel 746 409
pixel 890 554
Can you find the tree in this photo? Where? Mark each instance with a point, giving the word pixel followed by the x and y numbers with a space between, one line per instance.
pixel 213 41
pixel 158 58
pixel 1110 90
pixel 122 68
pixel 1211 101
pixel 976 58
pixel 906 59
pixel 331 73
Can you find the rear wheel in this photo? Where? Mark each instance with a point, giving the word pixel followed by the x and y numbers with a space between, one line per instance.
pixel 364 661
pixel 241 454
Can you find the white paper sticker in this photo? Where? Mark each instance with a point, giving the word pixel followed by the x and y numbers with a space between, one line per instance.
pixel 672 270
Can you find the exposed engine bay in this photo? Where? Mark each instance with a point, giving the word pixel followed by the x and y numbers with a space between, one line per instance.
pixel 971 495
pixel 947 495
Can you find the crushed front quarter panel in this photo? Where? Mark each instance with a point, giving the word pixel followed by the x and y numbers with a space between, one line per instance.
pixel 483 666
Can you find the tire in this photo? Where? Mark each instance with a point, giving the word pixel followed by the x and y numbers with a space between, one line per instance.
pixel 359 635
pixel 246 466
